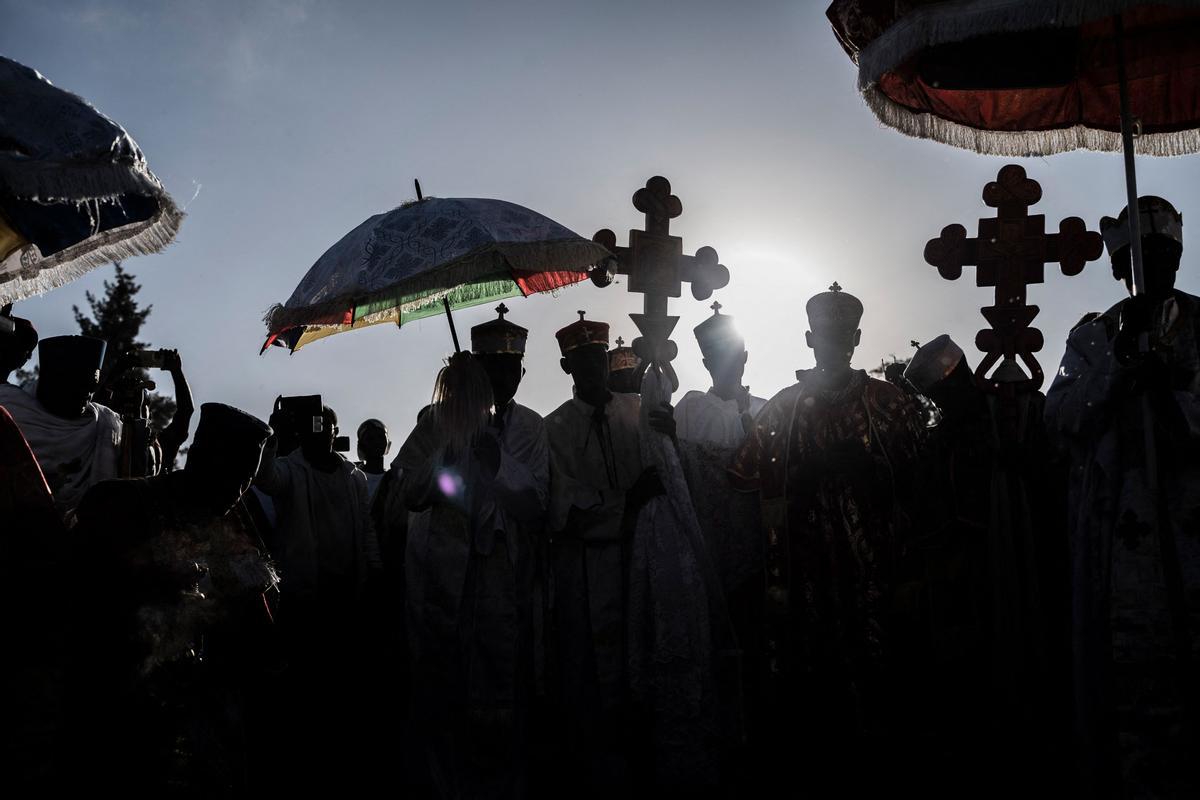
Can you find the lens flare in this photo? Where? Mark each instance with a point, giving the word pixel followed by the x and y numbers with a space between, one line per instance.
pixel 450 483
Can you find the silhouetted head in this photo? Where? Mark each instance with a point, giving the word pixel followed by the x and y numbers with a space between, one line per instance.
pixel 68 373
pixel 588 367
pixel 16 347
pixel 727 366
pixel 224 457
pixel 499 347
pixel 373 440
pixel 939 370
pixel 723 349
pixel 625 381
pixel 584 347
pixel 833 333
pixel 957 394
pixel 624 369
pixel 1162 245
pixel 317 446
pixel 462 403
pixel 504 371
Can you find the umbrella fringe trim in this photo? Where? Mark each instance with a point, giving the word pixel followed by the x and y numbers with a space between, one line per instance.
pixel 46 182
pixel 1021 144
pixel 963 19
pixel 432 286
pixel 59 269
pixel 471 295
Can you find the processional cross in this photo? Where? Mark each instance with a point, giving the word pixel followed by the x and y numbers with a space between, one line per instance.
pixel 1010 254
pixel 657 268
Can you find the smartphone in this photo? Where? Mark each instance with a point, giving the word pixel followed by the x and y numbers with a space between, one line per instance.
pixel 152 359
pixel 341 444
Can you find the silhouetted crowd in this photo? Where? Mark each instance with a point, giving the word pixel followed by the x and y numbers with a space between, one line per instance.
pixel 943 583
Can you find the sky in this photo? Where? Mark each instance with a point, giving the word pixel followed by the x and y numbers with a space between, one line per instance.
pixel 280 125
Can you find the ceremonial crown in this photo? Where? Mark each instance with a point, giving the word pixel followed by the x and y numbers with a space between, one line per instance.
pixel 717 333
pixel 1156 216
pixel 499 335
pixel 229 426
pixel 932 362
pixel 582 332
pixel 71 353
pixel 622 357
pixel 834 311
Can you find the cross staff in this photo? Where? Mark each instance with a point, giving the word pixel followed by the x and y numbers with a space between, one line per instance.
pixel 657 268
pixel 1010 254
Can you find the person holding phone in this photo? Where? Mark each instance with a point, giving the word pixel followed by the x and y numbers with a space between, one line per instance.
pixel 127 389
pixel 172 437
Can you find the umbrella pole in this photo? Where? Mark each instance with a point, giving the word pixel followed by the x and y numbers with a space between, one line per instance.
pixel 450 319
pixel 1135 222
pixel 1168 551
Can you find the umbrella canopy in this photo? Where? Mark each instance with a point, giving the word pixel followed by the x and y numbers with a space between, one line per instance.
pixel 75 190
pixel 408 263
pixel 1027 77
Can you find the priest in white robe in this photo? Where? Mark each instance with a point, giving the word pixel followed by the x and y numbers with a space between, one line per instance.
pixel 77 442
pixel 598 483
pixel 475 524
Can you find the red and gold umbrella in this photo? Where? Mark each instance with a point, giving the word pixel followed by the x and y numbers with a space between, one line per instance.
pixel 1032 77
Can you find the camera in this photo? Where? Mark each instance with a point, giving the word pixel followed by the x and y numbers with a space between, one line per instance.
pixel 302 413
pixel 341 444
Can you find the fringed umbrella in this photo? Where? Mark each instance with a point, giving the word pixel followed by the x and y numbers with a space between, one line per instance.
pixel 1032 77
pixel 427 256
pixel 1035 77
pixel 75 190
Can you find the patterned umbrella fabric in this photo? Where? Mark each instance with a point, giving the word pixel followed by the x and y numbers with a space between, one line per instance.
pixel 75 190
pixel 1027 77
pixel 400 266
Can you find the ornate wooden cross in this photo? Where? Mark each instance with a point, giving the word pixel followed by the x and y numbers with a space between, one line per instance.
pixel 657 269
pixel 1010 254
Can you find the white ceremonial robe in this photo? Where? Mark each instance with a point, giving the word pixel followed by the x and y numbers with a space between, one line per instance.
pixel 593 463
pixel 710 432
pixel 74 454
pixel 706 418
pixel 468 567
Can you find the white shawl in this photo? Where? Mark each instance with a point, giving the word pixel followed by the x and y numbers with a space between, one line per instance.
pixel 74 454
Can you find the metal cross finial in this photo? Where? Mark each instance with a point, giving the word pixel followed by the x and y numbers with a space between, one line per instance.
pixel 835 288
pixel 502 310
pixel 581 313
pixel 620 342
pixel 657 269
pixel 1010 255
pixel 915 343
pixel 716 307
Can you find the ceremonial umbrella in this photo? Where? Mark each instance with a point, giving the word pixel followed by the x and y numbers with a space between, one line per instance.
pixel 425 256
pixel 75 190
pixel 1033 77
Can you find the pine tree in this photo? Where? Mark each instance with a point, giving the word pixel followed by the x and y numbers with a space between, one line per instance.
pixel 117 319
